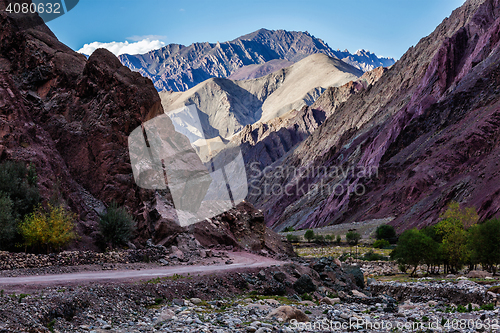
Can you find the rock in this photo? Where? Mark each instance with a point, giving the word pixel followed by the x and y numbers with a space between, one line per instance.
pixel 261 275
pixel 178 302
pixel 478 274
pixel 327 300
pixel 358 294
pixel 304 284
pixel 287 313
pixel 279 276
pixel 308 303
pixel 432 303
pixel 195 301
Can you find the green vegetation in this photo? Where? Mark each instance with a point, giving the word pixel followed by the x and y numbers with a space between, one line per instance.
pixel 386 232
pixel 352 238
pixel 18 197
pixel 48 229
pixel 309 235
pixel 339 239
pixel 116 225
pixel 457 240
pixel 381 243
pixel 289 229
pixel 292 238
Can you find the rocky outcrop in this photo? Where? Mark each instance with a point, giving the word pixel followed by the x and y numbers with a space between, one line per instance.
pixel 423 135
pixel 179 68
pixel 242 227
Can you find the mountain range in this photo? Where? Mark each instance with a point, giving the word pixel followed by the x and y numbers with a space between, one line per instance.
pixel 226 106
pixel 178 68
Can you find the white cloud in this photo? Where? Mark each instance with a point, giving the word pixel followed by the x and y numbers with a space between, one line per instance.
pixel 139 47
pixel 136 38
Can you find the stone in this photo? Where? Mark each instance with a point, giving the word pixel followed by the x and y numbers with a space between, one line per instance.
pixel 478 274
pixel 195 300
pixel 279 276
pixel 358 294
pixel 326 300
pixel 287 313
pixel 304 284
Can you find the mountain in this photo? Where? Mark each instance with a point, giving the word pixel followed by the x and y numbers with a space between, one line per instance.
pixel 226 106
pixel 178 68
pixel 71 117
pixel 426 133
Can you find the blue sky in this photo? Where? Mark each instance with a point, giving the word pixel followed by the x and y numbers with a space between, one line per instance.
pixel 385 27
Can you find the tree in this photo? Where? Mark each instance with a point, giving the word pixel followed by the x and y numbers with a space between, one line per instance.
pixel 116 225
pixel 292 238
pixel 386 232
pixel 484 244
pixel 412 248
pixel 380 244
pixel 48 229
pixel 352 238
pixel 452 230
pixel 309 235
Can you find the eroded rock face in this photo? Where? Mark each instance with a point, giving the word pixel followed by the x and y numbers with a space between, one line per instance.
pixel 426 130
pixel 71 117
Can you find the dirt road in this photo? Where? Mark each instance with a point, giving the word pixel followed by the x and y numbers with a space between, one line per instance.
pixel 241 260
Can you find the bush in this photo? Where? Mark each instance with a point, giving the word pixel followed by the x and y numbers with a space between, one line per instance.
pixel 330 238
pixel 116 225
pixel 339 239
pixel 309 235
pixel 7 222
pixel 292 238
pixel 386 232
pixel 19 184
pixel 289 229
pixel 319 239
pixel 381 243
pixel 372 256
pixel 50 229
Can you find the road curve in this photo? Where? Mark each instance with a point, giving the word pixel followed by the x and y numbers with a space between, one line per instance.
pixel 240 260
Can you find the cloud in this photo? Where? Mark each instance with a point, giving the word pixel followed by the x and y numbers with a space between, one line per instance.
pixel 117 48
pixel 150 37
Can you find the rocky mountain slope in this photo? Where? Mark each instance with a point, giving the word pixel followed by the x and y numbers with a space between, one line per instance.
pixel 424 134
pixel 226 106
pixel 71 117
pixel 179 68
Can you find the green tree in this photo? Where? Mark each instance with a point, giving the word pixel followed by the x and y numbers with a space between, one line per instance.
pixel 381 243
pixel 292 238
pixel 309 235
pixel 50 229
pixel 352 238
pixel 413 249
pixel 484 244
pixel 452 230
pixel 116 225
pixel 386 232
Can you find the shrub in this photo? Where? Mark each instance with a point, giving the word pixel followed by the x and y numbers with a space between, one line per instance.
pixel 7 222
pixel 330 238
pixel 19 183
pixel 372 256
pixel 386 232
pixel 289 229
pixel 319 239
pixel 309 235
pixel 116 225
pixel 48 229
pixel 339 239
pixel 381 243
pixel 292 238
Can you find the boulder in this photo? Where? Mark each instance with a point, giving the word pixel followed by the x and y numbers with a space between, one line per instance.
pixel 287 313
pixel 166 314
pixel 478 274
pixel 304 284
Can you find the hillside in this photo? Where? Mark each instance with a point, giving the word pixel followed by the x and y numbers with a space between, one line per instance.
pixel 425 133
pixel 226 106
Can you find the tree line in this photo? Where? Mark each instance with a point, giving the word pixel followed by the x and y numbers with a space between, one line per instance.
pixel 457 240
